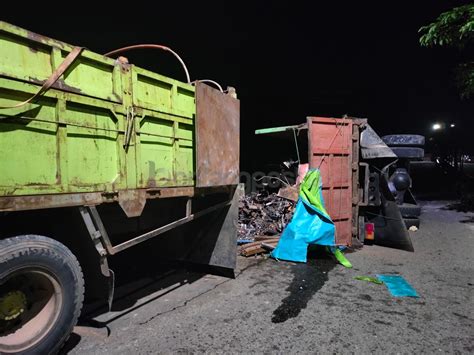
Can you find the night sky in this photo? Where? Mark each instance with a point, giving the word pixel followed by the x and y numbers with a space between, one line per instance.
pixel 291 61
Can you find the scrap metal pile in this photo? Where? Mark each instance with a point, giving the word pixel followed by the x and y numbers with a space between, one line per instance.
pixel 263 216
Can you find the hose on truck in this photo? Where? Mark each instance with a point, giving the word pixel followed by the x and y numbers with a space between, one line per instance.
pixel 156 46
pixel 159 46
pixel 209 81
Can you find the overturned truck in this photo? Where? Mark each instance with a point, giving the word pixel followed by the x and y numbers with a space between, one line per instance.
pixel 365 192
pixel 98 155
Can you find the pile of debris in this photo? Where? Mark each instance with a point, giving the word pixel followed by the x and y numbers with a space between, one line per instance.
pixel 262 217
pixel 262 244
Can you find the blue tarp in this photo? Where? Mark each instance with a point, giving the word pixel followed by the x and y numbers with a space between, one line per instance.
pixel 310 224
pixel 398 286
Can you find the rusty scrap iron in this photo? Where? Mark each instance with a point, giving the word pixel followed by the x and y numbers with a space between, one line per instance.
pixel 263 214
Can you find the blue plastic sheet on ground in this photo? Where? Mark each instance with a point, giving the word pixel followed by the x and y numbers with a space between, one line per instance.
pixel 310 224
pixel 398 286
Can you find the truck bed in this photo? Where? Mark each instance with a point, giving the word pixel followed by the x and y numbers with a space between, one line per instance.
pixel 72 139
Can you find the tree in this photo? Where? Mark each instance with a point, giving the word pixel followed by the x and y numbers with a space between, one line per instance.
pixel 454 28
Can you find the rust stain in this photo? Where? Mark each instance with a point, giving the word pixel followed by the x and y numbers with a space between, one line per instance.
pixel 59 84
pixel 170 192
pixel 123 63
pixel 151 182
pixel 132 202
pixel 217 137
pixel 36 81
pixel 152 174
pixel 43 39
pixel 19 203
pixel 32 202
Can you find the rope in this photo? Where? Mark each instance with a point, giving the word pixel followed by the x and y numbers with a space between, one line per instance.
pixel 76 51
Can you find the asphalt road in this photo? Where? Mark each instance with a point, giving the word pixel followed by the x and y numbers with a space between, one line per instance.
pixel 281 307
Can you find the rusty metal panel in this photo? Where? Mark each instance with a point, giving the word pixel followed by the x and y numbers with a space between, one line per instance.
pixel 330 150
pixel 22 203
pixel 217 137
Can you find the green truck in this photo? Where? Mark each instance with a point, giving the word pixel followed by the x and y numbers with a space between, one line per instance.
pixel 98 155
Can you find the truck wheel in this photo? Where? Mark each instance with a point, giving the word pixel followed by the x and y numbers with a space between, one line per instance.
pixel 409 210
pixel 41 294
pixel 404 140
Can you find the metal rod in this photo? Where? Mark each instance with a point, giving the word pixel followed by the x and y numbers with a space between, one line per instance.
pixel 296 145
pixel 189 207
pixel 100 226
pixel 160 230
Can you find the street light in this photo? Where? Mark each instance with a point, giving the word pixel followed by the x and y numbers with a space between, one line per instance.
pixel 452 125
pixel 436 127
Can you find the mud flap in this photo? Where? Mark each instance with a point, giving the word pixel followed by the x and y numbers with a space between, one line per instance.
pixel 390 229
pixel 216 244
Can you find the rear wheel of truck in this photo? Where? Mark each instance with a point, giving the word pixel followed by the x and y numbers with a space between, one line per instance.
pixel 409 210
pixel 41 294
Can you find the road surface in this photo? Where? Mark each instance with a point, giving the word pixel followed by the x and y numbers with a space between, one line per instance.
pixel 281 307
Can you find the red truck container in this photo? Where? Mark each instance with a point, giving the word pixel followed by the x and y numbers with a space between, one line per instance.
pixel 354 164
pixel 331 151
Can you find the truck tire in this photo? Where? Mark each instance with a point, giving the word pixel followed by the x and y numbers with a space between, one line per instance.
pixel 404 140
pixel 41 294
pixel 408 152
pixel 409 210
pixel 409 222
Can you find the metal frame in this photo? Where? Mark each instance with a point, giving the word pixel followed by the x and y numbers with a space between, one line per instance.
pixel 364 199
pixel 101 239
pixel 356 198
pixel 98 243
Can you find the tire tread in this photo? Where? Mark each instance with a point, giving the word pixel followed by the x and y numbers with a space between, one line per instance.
pixel 31 244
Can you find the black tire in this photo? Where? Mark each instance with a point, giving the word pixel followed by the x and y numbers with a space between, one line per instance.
pixel 408 152
pixel 409 222
pixel 49 280
pixel 409 210
pixel 404 140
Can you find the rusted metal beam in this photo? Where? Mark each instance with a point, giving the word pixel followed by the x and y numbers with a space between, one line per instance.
pixel 31 202
pixel 21 203
pixel 97 230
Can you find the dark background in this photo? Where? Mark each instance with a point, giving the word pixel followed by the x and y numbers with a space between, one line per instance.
pixel 290 61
